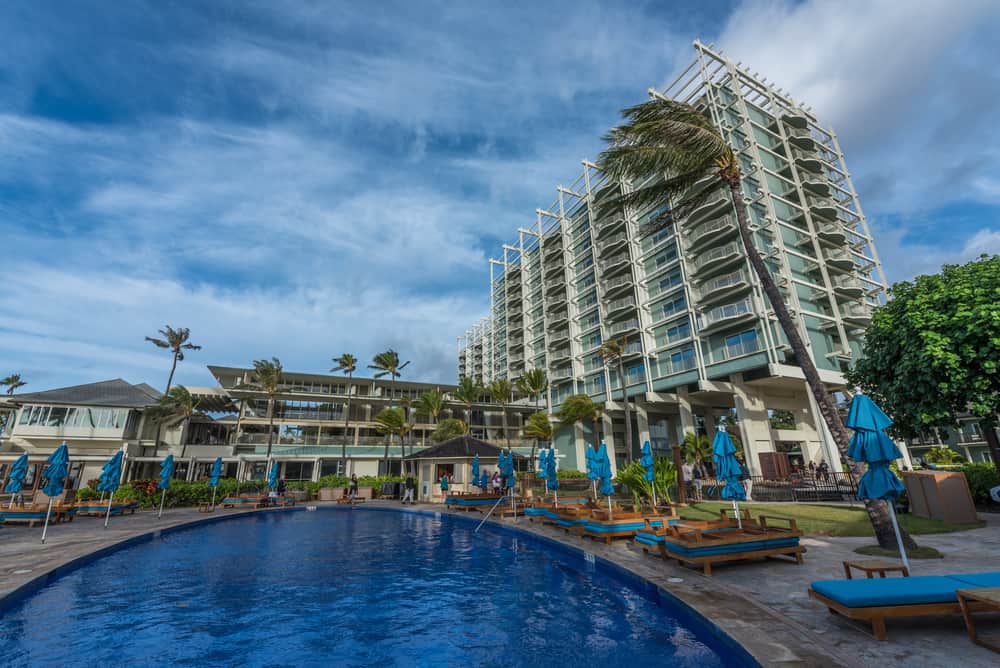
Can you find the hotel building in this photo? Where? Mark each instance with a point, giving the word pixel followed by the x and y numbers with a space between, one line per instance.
pixel 701 342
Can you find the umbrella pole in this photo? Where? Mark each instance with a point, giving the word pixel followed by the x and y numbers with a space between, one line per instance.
pixel 47 514
pixel 213 498
pixel 736 509
pixel 899 538
pixel 595 488
pixel 107 517
pixel 653 487
pixel 609 508
pixel 163 497
pixel 555 492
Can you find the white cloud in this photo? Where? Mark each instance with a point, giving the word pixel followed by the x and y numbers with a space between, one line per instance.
pixel 903 260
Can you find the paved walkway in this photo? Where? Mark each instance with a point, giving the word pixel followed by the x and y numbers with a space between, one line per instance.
pixel 763 605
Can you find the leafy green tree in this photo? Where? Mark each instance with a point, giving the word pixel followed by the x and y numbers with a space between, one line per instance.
pixel 387 364
pixel 696 448
pixel 671 152
pixel 535 384
pixel 613 353
pixel 501 391
pixel 448 429
pixel 391 422
pixel 539 428
pixel 267 378
pixel 943 455
pixel 177 403
pixel 430 404
pixel 581 409
pixel 346 363
pixel 468 392
pixel 175 340
pixel 933 351
pixel 633 476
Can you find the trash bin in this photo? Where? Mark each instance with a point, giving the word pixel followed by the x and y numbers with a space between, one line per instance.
pixel 940 495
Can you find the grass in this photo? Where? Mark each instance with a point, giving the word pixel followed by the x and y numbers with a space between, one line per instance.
pixel 922 552
pixel 826 520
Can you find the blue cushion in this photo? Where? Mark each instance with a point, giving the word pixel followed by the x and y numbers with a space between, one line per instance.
pixel 971 580
pixel 534 512
pixel 889 591
pixel 731 547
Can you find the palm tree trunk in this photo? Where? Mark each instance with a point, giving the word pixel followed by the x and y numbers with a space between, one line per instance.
pixel 628 416
pixel 503 422
pixel 878 512
pixel 187 425
pixel 347 425
pixel 170 378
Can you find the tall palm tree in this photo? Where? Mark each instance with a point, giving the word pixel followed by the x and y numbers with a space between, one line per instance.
pixel 677 155
pixel 267 378
pixel 13 383
pixel 387 364
pixel 390 421
pixel 612 352
pixel 581 409
pixel 500 391
pixel 346 363
pixel 538 427
pixel 177 403
pixel 468 392
pixel 449 428
pixel 176 340
pixel 535 384
pixel 430 404
pixel 696 448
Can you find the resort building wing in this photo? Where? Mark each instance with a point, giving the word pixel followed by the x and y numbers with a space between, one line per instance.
pixel 700 341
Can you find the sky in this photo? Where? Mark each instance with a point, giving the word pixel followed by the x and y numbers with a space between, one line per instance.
pixel 306 179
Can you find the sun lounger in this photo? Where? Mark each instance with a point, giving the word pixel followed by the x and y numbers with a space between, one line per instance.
pixel 603 526
pixel 99 509
pixel 876 600
pixel 35 514
pixel 244 502
pixel 704 547
pixel 467 502
pixel 544 510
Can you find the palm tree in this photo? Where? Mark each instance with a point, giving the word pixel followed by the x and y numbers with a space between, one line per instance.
pixel 538 427
pixel 387 364
pixel 390 421
pixel 267 379
pixel 12 382
pixel 500 391
pixel 448 429
pixel 177 403
pixel 696 448
pixel 678 156
pixel 580 409
pixel 468 392
pixel 430 404
pixel 535 384
pixel 612 352
pixel 176 340
pixel 346 363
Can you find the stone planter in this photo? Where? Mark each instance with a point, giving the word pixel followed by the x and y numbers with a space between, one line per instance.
pixel 329 493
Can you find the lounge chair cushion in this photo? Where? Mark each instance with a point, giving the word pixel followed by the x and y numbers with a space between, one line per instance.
pixel 614 526
pixel 973 580
pixel 731 548
pixel 889 591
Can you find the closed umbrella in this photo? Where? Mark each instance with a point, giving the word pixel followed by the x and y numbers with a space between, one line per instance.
pixel 213 478
pixel 542 454
pixel 604 471
pixel 728 469
pixel 592 468
pixel 484 481
pixel 15 479
pixel 870 444
pixel 552 476
pixel 166 473
pixel 55 474
pixel 475 469
pixel 111 477
pixel 272 476
pixel 649 464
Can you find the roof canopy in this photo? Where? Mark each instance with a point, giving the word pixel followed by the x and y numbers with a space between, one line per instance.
pixel 460 447
pixel 115 393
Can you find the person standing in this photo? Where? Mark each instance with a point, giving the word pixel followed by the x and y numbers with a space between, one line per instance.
pixel 496 483
pixel 687 472
pixel 408 488
pixel 353 493
pixel 444 485
pixel 282 487
pixel 696 476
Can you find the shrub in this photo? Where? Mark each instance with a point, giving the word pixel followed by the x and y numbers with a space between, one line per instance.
pixel 570 474
pixel 981 477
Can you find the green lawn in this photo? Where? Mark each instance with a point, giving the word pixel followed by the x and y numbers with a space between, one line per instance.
pixel 824 520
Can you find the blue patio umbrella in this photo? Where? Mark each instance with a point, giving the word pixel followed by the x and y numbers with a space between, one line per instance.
pixel 15 479
pixel 213 478
pixel 484 481
pixel 728 469
pixel 870 444
pixel 593 474
pixel 272 476
pixel 543 461
pixel 649 464
pixel 552 476
pixel 111 476
pixel 166 473
pixel 475 468
pixel 55 473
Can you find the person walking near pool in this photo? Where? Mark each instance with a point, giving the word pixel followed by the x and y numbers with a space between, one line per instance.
pixel 353 491
pixel 696 476
pixel 408 488
pixel 496 483
pixel 282 487
pixel 444 485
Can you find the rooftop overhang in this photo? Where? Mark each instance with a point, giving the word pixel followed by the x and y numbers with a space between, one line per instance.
pixel 213 400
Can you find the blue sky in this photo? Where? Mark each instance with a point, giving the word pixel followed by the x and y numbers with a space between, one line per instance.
pixel 307 179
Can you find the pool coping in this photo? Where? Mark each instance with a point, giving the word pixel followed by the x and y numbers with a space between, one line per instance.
pixel 730 617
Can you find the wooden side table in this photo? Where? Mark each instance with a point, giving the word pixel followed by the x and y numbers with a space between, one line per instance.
pixel 872 566
pixel 986 599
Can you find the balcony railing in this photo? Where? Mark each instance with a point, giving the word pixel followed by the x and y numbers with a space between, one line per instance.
pixel 612 241
pixel 724 313
pixel 615 262
pixel 559 374
pixel 719 227
pixel 731 249
pixel 622 303
pixel 617 282
pixel 722 282
pixel 620 327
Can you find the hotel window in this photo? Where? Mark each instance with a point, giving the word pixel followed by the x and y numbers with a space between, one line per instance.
pixel 743 343
pixel 635 374
pixel 682 361
pixel 665 258
pixel 673 306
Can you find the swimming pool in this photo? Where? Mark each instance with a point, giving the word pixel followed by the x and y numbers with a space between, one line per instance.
pixel 350 588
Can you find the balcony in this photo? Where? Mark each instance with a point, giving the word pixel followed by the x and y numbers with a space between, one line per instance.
pixel 848 286
pixel 839 259
pixel 620 305
pixel 559 318
pixel 816 185
pixel 714 230
pixel 722 316
pixel 856 314
pixel 616 241
pixel 559 375
pixel 716 204
pixel 822 206
pixel 723 286
pixel 557 283
pixel 617 284
pixel 801 137
pixel 619 328
pixel 832 232
pixel 559 337
pixel 718 257
pixel 808 160
pixel 633 349
pixel 795 120
pixel 561 355
pixel 515 342
pixel 616 263
pixel 517 359
pixel 609 225
pixel 557 301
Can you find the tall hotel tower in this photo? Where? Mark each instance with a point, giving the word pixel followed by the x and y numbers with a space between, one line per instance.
pixel 702 345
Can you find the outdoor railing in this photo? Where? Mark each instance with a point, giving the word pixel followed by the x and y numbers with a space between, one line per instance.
pixel 794 488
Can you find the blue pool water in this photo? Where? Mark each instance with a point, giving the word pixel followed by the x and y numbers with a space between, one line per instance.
pixel 348 588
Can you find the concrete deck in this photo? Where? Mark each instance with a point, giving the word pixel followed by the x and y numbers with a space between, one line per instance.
pixel 762 605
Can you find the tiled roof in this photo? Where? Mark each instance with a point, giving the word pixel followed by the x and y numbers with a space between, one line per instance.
pixel 460 446
pixel 115 393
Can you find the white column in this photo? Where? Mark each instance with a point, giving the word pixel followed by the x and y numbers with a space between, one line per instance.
pixel 832 454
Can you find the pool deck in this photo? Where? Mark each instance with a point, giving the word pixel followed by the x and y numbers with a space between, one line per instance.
pixel 762 605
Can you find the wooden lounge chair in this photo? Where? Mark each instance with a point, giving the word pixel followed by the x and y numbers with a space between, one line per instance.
pixel 100 509
pixel 468 502
pixel 764 537
pixel 35 514
pixel 608 526
pixel 242 501
pixel 875 600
